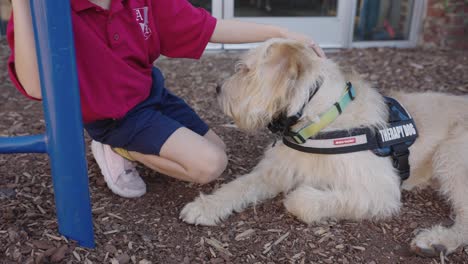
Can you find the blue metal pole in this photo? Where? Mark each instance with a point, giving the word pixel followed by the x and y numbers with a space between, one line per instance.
pixel 65 142
pixel 23 144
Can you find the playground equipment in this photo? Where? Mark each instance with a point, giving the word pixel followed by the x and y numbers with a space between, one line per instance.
pixel 63 140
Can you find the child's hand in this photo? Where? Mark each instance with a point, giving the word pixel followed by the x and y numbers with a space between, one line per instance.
pixel 235 31
pixel 306 40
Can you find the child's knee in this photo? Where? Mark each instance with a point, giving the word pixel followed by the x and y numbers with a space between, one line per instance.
pixel 210 166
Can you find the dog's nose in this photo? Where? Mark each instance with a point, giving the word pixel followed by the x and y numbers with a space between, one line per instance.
pixel 218 89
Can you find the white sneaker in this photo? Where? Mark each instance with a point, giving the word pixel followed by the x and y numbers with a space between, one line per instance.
pixel 119 173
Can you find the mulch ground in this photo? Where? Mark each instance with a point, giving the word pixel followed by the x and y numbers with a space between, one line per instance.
pixel 147 230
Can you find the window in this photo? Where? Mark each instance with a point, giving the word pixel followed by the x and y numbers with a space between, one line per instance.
pixel 383 20
pixel 285 8
pixel 206 4
pixel 5 11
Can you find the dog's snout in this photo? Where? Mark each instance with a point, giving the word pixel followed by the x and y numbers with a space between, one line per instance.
pixel 218 89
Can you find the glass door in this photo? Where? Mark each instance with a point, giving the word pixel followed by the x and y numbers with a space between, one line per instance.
pixel 5 11
pixel 326 21
pixel 386 23
pixel 215 7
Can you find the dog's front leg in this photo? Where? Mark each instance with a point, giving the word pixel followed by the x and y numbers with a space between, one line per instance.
pixel 260 184
pixel 310 204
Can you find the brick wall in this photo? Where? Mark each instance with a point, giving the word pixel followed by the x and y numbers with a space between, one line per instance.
pixel 446 24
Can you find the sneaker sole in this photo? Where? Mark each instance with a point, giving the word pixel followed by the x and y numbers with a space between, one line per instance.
pixel 98 153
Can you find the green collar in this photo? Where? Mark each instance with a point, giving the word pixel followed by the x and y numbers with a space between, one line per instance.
pixel 311 129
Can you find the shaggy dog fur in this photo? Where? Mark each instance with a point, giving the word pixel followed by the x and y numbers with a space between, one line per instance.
pixel 277 77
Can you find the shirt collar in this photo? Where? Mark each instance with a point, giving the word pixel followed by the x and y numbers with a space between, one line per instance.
pixel 80 5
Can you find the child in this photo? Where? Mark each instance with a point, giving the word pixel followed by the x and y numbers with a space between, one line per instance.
pixel 127 110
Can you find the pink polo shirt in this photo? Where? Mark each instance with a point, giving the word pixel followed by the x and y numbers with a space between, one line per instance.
pixel 115 49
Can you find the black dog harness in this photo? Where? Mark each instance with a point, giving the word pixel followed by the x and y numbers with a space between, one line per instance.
pixel 394 140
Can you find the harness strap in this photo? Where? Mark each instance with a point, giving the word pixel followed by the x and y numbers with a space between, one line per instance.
pixel 337 142
pixel 393 140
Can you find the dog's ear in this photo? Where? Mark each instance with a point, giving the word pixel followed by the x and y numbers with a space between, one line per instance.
pixel 286 60
pixel 285 65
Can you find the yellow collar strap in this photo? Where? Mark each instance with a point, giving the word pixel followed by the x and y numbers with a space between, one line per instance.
pixel 311 129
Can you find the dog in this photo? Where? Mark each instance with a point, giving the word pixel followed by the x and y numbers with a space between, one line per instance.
pixel 280 77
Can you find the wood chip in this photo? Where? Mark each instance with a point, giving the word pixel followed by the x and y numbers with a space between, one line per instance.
pixel 283 237
pixel 123 258
pixel 212 252
pixel 267 247
pixel 275 230
pixel 359 248
pixel 244 234
pixel 76 255
pixel 42 244
pixel 442 257
pixel 115 216
pixel 111 232
pixel 54 237
pixel 98 209
pixel 229 125
pixel 416 66
pixel 41 209
pixel 50 252
pixel 320 231
pixel 298 255
pixel 217 245
pixel 60 254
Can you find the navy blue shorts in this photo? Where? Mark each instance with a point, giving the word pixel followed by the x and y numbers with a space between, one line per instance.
pixel 148 125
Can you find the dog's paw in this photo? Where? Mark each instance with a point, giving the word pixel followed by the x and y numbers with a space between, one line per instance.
pixel 202 211
pixel 300 204
pixel 435 241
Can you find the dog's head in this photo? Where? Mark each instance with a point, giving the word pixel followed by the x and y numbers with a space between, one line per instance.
pixel 272 79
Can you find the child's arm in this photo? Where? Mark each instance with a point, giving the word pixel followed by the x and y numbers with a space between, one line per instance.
pixel 25 50
pixel 234 32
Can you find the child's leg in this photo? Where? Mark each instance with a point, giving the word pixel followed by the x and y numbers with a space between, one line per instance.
pixel 214 138
pixel 188 156
pixel 163 133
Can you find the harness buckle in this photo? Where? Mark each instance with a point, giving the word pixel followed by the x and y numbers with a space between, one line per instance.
pixel 400 160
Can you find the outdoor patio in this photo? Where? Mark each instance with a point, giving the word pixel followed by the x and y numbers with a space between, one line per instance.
pixel 132 231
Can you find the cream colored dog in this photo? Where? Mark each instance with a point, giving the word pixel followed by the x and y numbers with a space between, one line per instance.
pixel 277 77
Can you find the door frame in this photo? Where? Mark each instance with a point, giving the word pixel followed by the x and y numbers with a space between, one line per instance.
pixel 217 12
pixel 224 9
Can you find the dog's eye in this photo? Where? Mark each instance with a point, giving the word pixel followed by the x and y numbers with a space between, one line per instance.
pixel 240 67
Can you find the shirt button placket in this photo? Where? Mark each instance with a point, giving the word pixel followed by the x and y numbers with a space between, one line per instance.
pixel 111 28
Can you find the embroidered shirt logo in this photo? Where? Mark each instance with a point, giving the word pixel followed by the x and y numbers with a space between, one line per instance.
pixel 141 15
